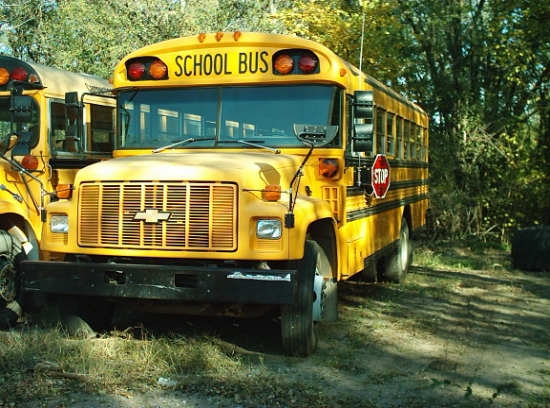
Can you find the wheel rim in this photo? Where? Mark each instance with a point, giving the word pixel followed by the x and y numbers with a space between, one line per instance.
pixel 7 281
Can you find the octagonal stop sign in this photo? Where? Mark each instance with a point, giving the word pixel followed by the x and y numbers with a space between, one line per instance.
pixel 380 173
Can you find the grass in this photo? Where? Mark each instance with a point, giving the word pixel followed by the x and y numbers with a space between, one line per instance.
pixel 194 362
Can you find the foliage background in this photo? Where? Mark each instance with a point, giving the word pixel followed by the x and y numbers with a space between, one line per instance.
pixel 480 68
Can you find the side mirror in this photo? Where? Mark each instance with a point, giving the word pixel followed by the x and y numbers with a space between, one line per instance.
pixel 72 112
pixel 21 108
pixel 74 121
pixel 364 105
pixel 363 133
pixel 363 137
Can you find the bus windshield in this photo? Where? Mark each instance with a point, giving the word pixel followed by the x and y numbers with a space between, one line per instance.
pixel 219 116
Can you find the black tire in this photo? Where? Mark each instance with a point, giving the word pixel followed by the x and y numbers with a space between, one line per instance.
pixel 531 248
pixel 398 261
pixel 84 316
pixel 11 295
pixel 300 331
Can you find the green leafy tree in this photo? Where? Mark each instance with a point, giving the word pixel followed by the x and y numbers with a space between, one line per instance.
pixel 365 33
pixel 81 35
pixel 484 70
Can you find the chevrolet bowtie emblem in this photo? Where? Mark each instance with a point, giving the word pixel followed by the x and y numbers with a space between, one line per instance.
pixel 152 216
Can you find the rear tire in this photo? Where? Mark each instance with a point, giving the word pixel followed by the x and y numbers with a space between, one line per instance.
pixel 531 248
pixel 300 329
pixel 398 262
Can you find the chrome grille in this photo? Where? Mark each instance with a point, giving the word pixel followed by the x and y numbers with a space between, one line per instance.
pixel 202 216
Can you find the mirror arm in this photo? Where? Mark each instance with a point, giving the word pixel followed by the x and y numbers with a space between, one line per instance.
pixel 40 208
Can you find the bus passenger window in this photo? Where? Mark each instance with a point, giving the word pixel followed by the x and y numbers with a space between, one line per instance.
pixel 249 130
pixel 411 149
pixel 425 145
pixel 192 125
pixel 399 134
pixel 380 130
pixel 406 137
pixel 419 141
pixel 390 135
pixel 232 129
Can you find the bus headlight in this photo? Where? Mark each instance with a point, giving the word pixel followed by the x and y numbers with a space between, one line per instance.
pixel 268 229
pixel 59 223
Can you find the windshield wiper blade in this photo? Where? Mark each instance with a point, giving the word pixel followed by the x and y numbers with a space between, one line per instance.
pixel 254 143
pixel 183 142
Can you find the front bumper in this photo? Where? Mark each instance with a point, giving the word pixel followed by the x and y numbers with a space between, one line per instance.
pixel 161 282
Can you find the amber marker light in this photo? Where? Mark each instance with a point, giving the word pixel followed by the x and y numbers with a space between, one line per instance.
pixel 158 69
pixel 219 36
pixel 329 168
pixel 202 37
pixel 237 35
pixel 4 76
pixel 271 192
pixel 63 191
pixel 284 64
pixel 29 162
pixel 343 72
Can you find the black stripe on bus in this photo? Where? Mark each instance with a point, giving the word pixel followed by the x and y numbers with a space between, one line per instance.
pixel 398 164
pixel 383 207
pixel 396 185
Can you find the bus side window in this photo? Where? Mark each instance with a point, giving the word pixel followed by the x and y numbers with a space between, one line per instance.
pixel 102 129
pixel 192 125
pixel 399 134
pixel 425 145
pixel 406 137
pixel 390 134
pixel 411 142
pixel 380 126
pixel 419 143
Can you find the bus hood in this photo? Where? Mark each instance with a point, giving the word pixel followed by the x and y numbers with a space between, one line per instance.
pixel 200 166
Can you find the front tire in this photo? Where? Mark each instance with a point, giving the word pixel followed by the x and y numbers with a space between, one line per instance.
pixel 11 294
pixel 300 322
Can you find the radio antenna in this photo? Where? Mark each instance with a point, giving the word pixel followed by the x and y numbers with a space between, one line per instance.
pixel 361 52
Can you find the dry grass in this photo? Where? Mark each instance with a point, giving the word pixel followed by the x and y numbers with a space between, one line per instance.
pixel 38 360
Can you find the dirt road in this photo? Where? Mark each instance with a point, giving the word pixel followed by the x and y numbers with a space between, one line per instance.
pixel 458 336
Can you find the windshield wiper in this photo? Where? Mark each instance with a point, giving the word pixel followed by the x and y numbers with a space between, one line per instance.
pixel 184 142
pixel 253 143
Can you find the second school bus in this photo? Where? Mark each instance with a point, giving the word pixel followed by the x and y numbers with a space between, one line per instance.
pixel 52 122
pixel 243 179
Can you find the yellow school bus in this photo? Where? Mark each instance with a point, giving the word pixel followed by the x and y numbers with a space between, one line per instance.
pixel 251 171
pixel 51 125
